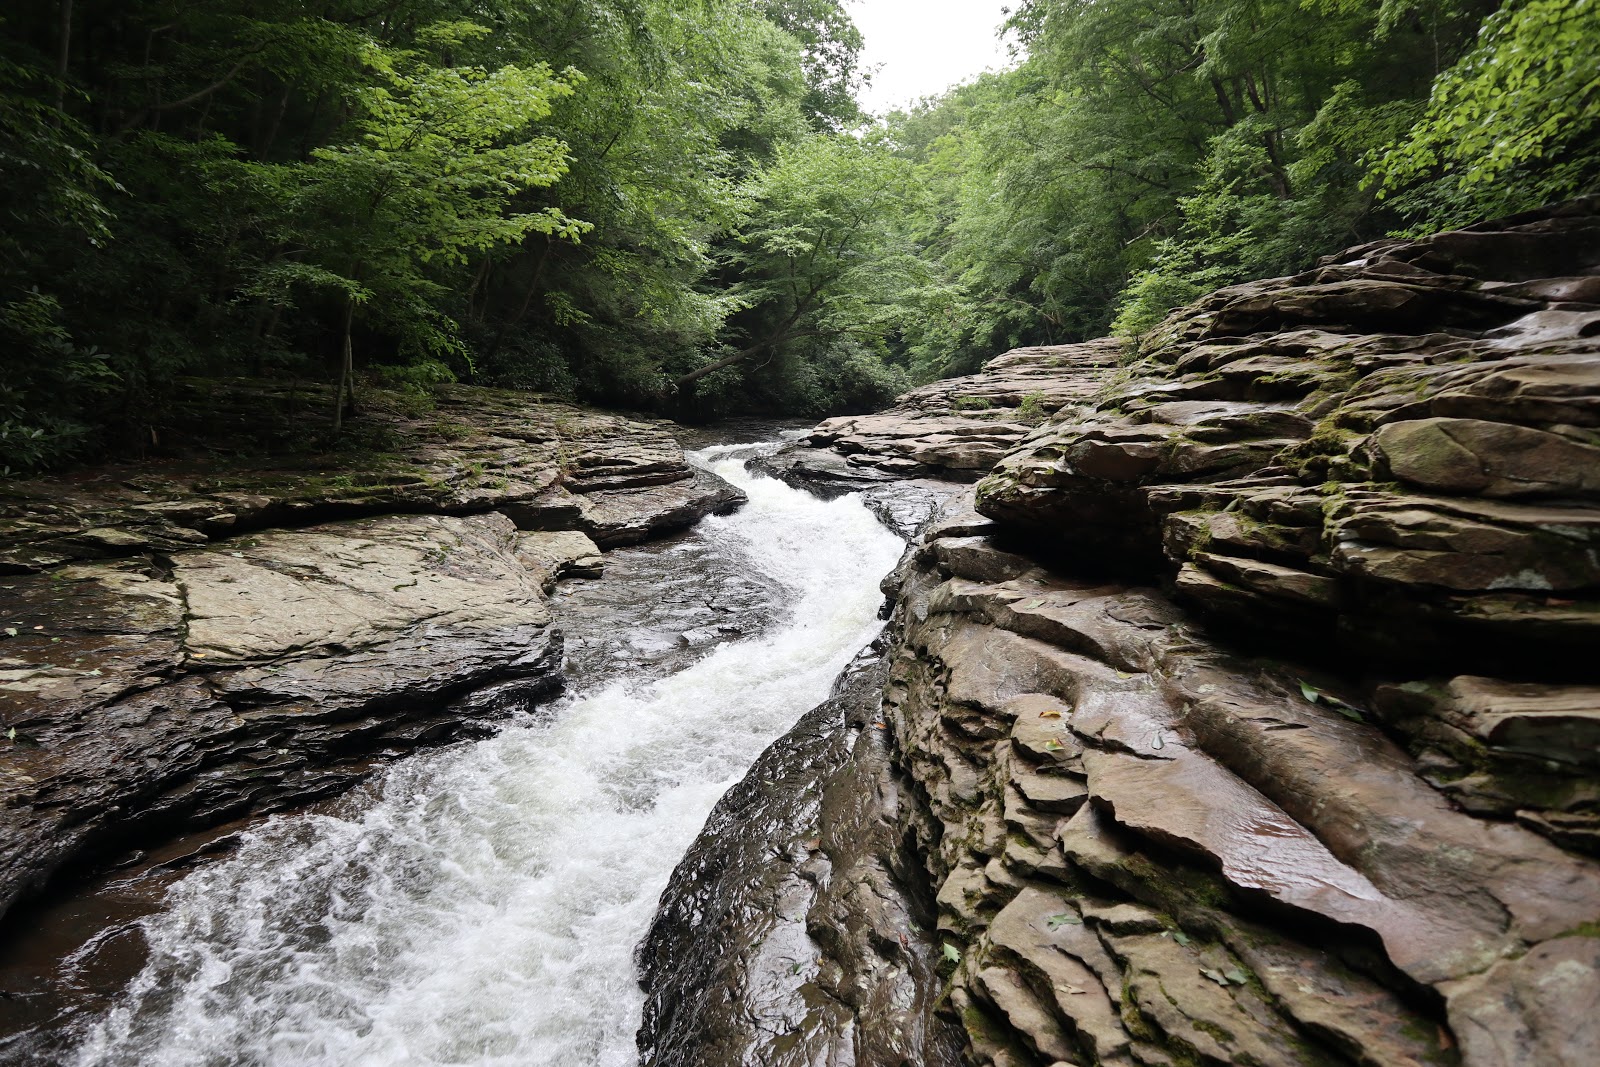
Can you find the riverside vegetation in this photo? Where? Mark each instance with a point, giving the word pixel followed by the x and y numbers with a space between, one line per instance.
pixel 679 206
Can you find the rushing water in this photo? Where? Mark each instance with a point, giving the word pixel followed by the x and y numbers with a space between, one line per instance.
pixel 481 905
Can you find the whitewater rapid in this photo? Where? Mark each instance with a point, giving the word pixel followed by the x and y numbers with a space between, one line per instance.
pixel 480 905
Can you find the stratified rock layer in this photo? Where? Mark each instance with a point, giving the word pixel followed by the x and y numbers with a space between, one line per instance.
pixel 1399 450
pixel 161 670
pixel 1152 851
pixel 1150 846
pixel 548 464
pixel 957 428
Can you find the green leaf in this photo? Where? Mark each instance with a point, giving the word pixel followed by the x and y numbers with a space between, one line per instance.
pixel 1180 937
pixel 1310 692
pixel 1066 918
pixel 1235 975
pixel 951 953
pixel 1347 711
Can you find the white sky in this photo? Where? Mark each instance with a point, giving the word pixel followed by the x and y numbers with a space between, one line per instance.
pixel 926 46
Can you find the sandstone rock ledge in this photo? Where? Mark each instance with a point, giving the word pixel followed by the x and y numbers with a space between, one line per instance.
pixel 956 429
pixel 1151 851
pixel 1248 713
pixel 161 671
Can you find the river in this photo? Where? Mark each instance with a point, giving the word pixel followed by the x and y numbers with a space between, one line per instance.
pixel 481 904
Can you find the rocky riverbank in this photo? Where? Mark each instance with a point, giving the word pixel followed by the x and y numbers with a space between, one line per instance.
pixel 185 642
pixel 1244 713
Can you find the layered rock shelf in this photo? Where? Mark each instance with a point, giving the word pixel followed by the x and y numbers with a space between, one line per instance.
pixel 187 644
pixel 1246 710
pixel 955 429
pixel 548 464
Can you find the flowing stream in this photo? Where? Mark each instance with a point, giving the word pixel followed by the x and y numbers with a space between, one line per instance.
pixel 481 904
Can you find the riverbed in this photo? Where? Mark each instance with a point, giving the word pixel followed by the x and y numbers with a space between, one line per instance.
pixel 480 904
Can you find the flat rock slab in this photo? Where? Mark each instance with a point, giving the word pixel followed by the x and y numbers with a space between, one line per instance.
pixel 551 464
pixel 258 673
pixel 329 590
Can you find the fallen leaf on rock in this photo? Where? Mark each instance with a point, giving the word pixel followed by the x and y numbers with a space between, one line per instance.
pixel 1066 918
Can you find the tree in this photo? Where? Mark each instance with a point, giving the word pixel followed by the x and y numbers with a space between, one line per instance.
pixel 55 210
pixel 1514 124
pixel 439 154
pixel 832 46
pixel 816 251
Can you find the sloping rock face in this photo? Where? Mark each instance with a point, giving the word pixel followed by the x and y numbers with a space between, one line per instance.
pixel 170 673
pixel 1248 718
pixel 796 914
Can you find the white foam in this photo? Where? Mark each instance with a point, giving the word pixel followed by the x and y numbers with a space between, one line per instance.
pixel 482 906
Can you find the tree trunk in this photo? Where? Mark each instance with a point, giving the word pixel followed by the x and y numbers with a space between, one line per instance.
pixel 527 302
pixel 64 56
pixel 347 383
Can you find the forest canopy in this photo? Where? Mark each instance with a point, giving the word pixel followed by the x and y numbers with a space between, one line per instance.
pixel 678 205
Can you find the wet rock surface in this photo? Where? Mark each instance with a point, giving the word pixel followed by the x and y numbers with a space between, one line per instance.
pixel 254 677
pixel 661 606
pixel 176 672
pixel 792 933
pixel 1246 713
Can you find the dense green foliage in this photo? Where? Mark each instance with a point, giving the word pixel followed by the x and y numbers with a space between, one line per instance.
pixel 677 204
pixel 1144 152
pixel 542 194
